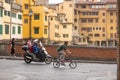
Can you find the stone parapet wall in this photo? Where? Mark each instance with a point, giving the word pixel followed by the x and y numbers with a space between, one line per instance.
pixel 78 52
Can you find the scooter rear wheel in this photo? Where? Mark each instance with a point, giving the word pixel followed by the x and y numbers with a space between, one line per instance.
pixel 28 58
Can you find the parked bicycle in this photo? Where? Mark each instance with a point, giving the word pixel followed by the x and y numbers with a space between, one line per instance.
pixel 57 62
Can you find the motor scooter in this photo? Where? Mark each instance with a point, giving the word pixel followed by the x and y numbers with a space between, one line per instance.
pixel 29 57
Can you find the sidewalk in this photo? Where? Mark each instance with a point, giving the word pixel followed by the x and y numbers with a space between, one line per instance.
pixel 103 78
pixel 79 61
pixel 11 57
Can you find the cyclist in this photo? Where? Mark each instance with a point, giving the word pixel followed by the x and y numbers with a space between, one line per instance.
pixel 61 50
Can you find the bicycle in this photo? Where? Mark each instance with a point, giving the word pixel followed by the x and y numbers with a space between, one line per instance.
pixel 57 63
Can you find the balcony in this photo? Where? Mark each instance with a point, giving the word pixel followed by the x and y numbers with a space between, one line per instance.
pixel 16 7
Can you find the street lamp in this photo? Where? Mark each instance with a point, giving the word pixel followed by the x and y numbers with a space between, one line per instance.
pixel 30 23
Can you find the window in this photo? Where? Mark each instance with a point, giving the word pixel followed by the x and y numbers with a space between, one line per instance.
pixel 70 5
pixel 7 1
pixel 14 15
pixel 56 34
pixel 36 30
pixel 111 13
pixel 1 12
pixel 19 16
pixel 111 20
pixel 83 20
pixel 26 6
pixel 8 13
pixel 45 30
pixel 111 35
pixel 103 29
pixel 6 29
pixel 90 20
pixel 36 17
pixel 61 7
pixel 89 29
pixel 111 27
pixel 90 35
pixel 83 6
pixel 65 35
pixel 75 27
pixel 103 20
pixel 84 39
pixel 97 35
pixel 5 12
pixel 13 30
pixel 64 26
pixel 75 20
pixel 56 26
pixel 99 28
pixel 51 18
pixel 1 29
pixel 103 35
pixel 25 20
pixel 103 14
pixel 84 29
pixel 45 18
pixel 96 20
pixel 19 30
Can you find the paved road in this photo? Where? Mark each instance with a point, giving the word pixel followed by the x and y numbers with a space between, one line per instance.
pixel 19 70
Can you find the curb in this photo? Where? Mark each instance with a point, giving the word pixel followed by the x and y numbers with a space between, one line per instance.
pixel 99 62
pixel 11 57
pixel 78 61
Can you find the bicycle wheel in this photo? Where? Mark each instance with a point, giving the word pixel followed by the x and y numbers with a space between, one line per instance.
pixel 56 64
pixel 73 65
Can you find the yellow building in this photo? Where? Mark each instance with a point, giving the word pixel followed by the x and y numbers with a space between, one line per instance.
pixel 12 20
pixel 39 20
pixel 67 7
pixel 98 22
pixel 60 30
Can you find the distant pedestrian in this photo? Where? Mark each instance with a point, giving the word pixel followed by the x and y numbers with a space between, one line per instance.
pixel 12 47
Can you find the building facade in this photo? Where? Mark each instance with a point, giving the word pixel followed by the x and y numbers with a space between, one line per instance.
pixel 98 22
pixel 12 20
pixel 1 19
pixel 60 30
pixel 37 27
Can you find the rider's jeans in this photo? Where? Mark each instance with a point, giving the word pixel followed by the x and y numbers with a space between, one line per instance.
pixel 61 55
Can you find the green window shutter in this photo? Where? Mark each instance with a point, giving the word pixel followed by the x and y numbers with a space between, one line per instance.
pixel 1 13
pixel 36 30
pixel 13 30
pixel 1 29
pixel 14 15
pixel 19 30
pixel 45 30
pixel 45 18
pixel 19 16
pixel 6 29
pixel 36 17
pixel 5 12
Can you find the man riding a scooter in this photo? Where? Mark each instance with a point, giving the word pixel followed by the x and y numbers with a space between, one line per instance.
pixel 37 49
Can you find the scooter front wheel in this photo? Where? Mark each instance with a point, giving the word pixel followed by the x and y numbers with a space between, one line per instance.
pixel 48 60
